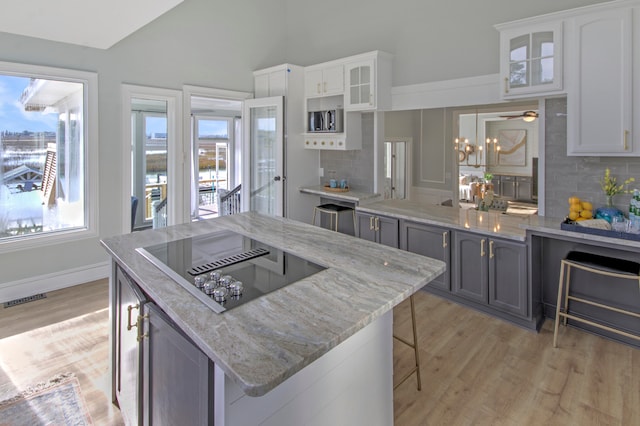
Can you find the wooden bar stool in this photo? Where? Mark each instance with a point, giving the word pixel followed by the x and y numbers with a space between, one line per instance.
pixel 597 264
pixel 333 210
pixel 414 346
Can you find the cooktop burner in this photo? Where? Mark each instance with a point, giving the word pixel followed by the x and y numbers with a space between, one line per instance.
pixel 226 269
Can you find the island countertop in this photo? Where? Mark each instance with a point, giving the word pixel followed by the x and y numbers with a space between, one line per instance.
pixel 262 343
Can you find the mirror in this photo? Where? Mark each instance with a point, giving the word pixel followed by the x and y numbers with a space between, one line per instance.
pixel 496 152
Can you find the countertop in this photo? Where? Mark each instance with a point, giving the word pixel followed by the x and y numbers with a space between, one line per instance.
pixel 262 343
pixel 493 223
pixel 353 196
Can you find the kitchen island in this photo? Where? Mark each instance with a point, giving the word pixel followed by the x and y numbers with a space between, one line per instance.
pixel 284 340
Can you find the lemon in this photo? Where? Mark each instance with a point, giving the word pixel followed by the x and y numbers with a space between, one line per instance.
pixel 575 207
pixel 573 200
pixel 587 214
pixel 586 205
pixel 574 215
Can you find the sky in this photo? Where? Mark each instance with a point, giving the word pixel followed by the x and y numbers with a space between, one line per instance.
pixel 13 117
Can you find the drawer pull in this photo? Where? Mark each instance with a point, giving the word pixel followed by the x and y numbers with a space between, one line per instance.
pixel 444 239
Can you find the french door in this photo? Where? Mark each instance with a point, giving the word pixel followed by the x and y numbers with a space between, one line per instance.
pixel 263 156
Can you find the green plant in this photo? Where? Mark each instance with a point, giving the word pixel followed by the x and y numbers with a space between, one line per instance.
pixel 609 184
pixel 488 176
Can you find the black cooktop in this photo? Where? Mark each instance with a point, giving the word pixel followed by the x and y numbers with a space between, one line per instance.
pixel 259 268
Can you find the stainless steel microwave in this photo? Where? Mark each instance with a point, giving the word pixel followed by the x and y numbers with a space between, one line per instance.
pixel 326 121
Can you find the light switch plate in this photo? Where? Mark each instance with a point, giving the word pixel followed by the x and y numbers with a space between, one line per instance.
pixel 321 171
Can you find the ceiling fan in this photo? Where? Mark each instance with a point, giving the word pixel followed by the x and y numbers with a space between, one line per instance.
pixel 526 116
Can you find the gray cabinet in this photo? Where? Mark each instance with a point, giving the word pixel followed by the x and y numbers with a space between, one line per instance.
pixel 380 229
pixel 128 355
pixel 430 241
pixel 177 375
pixel 491 271
pixel 159 375
pixel 508 187
pixel 524 188
pixel 513 187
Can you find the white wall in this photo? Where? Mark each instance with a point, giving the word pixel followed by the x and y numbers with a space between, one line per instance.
pixel 430 40
pixel 200 42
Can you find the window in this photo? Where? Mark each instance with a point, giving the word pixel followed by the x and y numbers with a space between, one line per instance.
pixel 44 142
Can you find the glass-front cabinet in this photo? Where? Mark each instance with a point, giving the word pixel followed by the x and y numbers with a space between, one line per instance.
pixel 361 90
pixel 531 60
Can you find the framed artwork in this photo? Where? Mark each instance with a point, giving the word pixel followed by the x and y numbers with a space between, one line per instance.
pixel 513 148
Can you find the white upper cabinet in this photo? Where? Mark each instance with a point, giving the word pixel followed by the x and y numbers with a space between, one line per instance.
pixel 368 82
pixel 270 82
pixel 530 59
pixel 599 93
pixel 324 81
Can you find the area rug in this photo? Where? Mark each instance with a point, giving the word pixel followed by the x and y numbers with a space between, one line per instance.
pixel 56 402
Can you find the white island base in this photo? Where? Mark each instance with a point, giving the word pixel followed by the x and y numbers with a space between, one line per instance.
pixel 352 384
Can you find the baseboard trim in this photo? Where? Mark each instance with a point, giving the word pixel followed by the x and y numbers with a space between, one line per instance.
pixel 54 281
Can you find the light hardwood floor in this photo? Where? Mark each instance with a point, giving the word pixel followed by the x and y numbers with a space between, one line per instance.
pixel 476 369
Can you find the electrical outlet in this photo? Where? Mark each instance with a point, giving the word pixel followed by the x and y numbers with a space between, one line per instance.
pixel 321 171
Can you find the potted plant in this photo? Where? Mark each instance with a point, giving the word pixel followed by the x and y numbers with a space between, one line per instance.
pixel 488 177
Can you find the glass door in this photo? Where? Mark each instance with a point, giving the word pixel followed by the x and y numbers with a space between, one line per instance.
pixel 395 170
pixel 149 161
pixel 263 156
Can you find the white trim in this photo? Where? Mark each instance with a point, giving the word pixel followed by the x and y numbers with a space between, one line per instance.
pixel 90 106
pixel 54 281
pixel 177 210
pixel 447 93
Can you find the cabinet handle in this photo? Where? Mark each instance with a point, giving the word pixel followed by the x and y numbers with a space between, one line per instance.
pixel 490 249
pixel 370 98
pixel 626 137
pixel 371 223
pixel 141 336
pixel 444 239
pixel 325 87
pixel 506 85
pixel 377 223
pixel 129 309
pixel 482 252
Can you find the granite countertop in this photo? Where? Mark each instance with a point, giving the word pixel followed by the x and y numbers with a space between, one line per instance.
pixel 353 196
pixel 493 223
pixel 262 343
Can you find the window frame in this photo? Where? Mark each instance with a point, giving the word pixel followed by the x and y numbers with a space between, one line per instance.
pixel 90 134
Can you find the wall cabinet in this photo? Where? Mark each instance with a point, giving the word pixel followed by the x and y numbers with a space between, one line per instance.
pixel 513 187
pixel 271 82
pixel 324 80
pixel 379 229
pixel 368 82
pixel 159 375
pixel 531 59
pixel 491 271
pixel 600 96
pixel 430 241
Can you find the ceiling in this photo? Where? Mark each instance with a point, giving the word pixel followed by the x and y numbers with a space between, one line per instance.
pixel 91 23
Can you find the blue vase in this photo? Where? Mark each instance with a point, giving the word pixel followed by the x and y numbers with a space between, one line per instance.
pixel 608 212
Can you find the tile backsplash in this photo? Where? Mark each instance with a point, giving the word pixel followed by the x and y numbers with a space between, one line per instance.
pixel 580 176
pixel 355 166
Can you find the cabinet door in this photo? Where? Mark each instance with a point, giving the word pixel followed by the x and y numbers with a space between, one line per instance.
pixel 508 187
pixel 333 80
pixel 176 375
pixel 360 93
pixel 531 60
pixel 313 83
pixel 599 98
pixel 524 189
pixel 366 227
pixel 429 241
pixel 387 229
pixel 261 86
pixel 470 266
pixel 508 277
pixel 128 359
